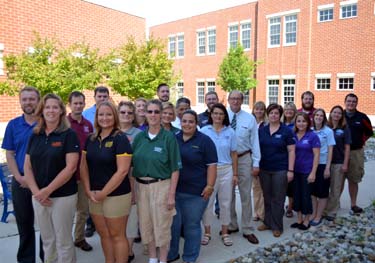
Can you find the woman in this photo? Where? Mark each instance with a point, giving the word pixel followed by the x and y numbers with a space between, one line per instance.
pixel 320 188
pixel 224 137
pixel 168 116
pixel 156 161
pixel 51 159
pixel 259 111
pixel 194 188
pixel 340 159
pixel 140 114
pixel 126 111
pixel 182 105
pixel 290 111
pixel 105 164
pixel 305 165
pixel 277 147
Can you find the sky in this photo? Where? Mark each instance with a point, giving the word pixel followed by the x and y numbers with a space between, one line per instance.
pixel 161 11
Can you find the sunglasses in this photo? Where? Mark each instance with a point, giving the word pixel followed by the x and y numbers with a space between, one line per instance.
pixel 128 112
pixel 153 111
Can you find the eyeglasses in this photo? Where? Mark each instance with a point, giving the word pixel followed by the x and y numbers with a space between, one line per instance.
pixel 153 111
pixel 128 112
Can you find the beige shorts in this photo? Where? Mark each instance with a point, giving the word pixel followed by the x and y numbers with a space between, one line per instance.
pixel 356 168
pixel 155 220
pixel 112 206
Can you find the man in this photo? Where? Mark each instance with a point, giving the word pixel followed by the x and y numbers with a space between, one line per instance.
pixel 307 103
pixel 15 142
pixel 210 99
pixel 248 152
pixel 83 128
pixel 182 105
pixel 101 94
pixel 361 130
pixel 163 92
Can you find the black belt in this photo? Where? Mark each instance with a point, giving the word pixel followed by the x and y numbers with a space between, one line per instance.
pixel 141 181
pixel 242 154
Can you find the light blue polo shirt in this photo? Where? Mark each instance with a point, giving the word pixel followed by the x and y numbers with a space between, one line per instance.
pixel 225 142
pixel 89 114
pixel 327 139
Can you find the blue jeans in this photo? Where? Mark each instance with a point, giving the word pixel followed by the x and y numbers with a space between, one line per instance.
pixel 190 209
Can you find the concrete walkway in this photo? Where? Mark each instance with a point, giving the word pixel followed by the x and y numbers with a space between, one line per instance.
pixel 215 252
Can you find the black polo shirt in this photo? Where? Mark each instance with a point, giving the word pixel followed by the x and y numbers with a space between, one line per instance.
pixel 47 156
pixel 360 129
pixel 102 163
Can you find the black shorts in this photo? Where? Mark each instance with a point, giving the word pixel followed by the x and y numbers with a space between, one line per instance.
pixel 320 188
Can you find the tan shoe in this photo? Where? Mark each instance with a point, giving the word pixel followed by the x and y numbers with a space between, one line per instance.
pixel 263 227
pixel 276 233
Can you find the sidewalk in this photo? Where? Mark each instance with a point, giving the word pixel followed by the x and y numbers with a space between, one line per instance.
pixel 215 252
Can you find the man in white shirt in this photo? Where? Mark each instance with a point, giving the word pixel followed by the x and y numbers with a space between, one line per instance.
pixel 248 152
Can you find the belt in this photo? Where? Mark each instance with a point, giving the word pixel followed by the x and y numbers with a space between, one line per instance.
pixel 141 181
pixel 244 153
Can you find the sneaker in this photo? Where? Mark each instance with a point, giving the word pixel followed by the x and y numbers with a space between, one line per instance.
pixel 314 223
pixel 83 245
pixel 90 230
pixel 356 210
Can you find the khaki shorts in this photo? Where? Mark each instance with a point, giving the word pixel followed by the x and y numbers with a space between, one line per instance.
pixel 356 168
pixel 112 206
pixel 155 220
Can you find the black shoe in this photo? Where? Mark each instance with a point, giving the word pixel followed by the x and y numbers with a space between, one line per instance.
pixel 230 231
pixel 356 210
pixel 89 232
pixel 295 225
pixel 137 240
pixel 175 259
pixel 130 258
pixel 303 227
pixel 83 245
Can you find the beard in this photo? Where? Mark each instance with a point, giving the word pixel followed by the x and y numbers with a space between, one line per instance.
pixel 28 110
pixel 308 107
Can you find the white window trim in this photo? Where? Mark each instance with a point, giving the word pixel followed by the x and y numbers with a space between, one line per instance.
pixel 207 42
pixel 345 75
pixel 233 24
pixel 284 32
pixel 169 49
pixel 240 36
pixel 271 77
pixel 283 88
pixel 372 81
pixel 210 28
pixel 349 2
pixel 288 76
pixel 342 76
pixel 269 45
pixel 196 91
pixel 1 59
pixel 268 88
pixel 197 41
pixel 211 79
pixel 176 41
pixel 346 3
pixel 322 8
pixel 285 13
pixel 322 76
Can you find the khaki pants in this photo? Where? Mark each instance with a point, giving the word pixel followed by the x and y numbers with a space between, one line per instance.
pixel 337 184
pixel 258 198
pixel 82 213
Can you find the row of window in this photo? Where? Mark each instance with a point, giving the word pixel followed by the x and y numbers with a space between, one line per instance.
pixel 348 9
pixel 238 33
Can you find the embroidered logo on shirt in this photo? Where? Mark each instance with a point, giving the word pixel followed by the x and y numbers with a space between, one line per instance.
pixel 278 136
pixel 195 146
pixel 108 144
pixel 86 129
pixel 158 149
pixel 305 142
pixel 56 144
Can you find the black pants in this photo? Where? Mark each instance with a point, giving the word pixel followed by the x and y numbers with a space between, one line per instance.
pixel 24 213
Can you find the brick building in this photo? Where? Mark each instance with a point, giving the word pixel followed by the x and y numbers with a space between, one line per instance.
pixel 325 46
pixel 69 21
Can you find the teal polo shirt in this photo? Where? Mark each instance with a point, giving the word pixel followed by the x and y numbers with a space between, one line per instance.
pixel 158 157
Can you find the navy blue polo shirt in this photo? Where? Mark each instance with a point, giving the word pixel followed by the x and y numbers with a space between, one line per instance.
pixel 102 162
pixel 48 158
pixel 196 154
pixel 274 149
pixel 360 129
pixel 203 118
pixel 16 137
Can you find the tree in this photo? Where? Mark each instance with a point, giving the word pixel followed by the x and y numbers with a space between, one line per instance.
pixel 53 69
pixel 137 69
pixel 236 71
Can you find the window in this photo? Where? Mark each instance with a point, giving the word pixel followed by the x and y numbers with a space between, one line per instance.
pixel 180 45
pixel 200 92
pixel 323 83
pixel 172 46
pixel 325 15
pixel 273 91
pixel 274 31
pixel 348 10
pixel 233 36
pixel 372 80
pixel 210 86
pixel 201 43
pixel 346 83
pixel 211 35
pixel 289 89
pixel 290 30
pixel 246 35
pixel 246 98
pixel 1 59
pixel 180 89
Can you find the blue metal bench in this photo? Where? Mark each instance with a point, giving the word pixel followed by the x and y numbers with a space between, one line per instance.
pixel 6 184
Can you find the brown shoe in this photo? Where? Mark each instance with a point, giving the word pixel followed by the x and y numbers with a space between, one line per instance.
pixel 251 238
pixel 263 227
pixel 83 245
pixel 276 233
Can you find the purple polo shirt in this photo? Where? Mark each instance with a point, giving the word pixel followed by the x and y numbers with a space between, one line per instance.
pixel 82 129
pixel 304 152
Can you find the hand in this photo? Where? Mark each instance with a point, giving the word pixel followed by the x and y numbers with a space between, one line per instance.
pixel 327 173
pixel 290 176
pixel 92 196
pixel 235 180
pixel 42 195
pixel 344 168
pixel 134 198
pixel 21 180
pixel 207 192
pixel 171 202
pixel 255 171
pixel 311 178
pixel 99 196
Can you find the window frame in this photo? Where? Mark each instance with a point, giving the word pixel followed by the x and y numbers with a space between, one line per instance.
pixel 211 29
pixel 172 39
pixel 210 87
pixel 273 85
pixel 270 45
pixel 285 24
pixel 341 76
pixel 289 85
pixel 198 87
pixel 242 31
pixel 178 87
pixel 323 8
pixel 178 41
pixel 2 73
pixel 204 37
pixel 346 4
pixel 233 25
pixel 372 87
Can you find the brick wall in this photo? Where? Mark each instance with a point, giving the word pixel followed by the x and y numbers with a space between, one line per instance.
pixel 69 21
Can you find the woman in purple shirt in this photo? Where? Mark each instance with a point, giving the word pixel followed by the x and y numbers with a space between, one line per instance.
pixel 306 163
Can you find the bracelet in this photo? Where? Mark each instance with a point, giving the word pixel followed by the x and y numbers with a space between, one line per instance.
pixel 291 171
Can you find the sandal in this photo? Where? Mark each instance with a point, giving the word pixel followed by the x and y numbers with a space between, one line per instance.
pixel 289 213
pixel 206 239
pixel 227 241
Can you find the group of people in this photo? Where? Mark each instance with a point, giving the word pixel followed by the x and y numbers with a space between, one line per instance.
pixel 155 168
